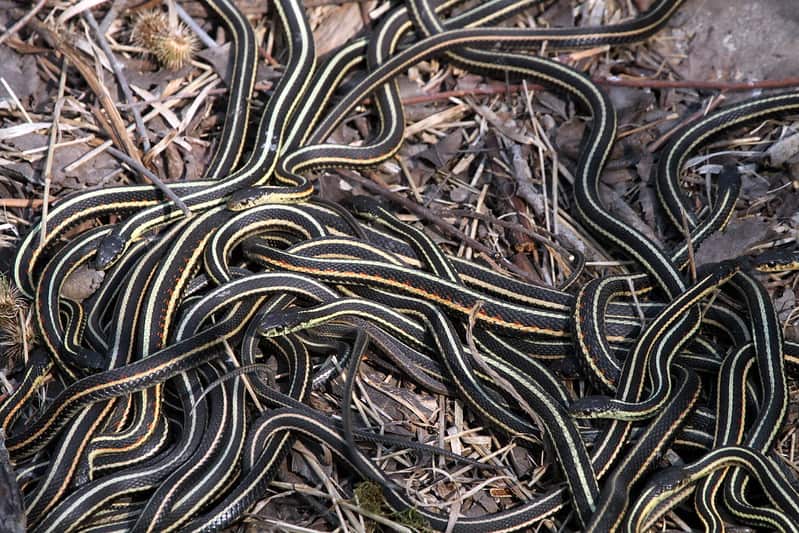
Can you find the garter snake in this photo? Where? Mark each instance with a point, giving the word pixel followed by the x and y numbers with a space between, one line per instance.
pixel 78 507
pixel 566 440
pixel 766 332
pixel 731 410
pixel 269 140
pixel 318 428
pixel 675 483
pixel 82 206
pixel 691 137
pixel 389 136
pixel 549 73
pixel 192 347
pixel 438 264
pixel 649 448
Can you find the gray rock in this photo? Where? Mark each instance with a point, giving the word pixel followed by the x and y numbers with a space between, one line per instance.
pixel 12 514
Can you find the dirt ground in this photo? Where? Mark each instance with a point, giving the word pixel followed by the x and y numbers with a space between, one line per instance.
pixel 739 40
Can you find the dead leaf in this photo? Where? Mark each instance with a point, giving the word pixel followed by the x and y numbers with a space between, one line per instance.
pixel 649 202
pixel 789 206
pixel 785 304
pixel 551 103
pixel 459 195
pixel 20 73
pixel 520 459
pixel 621 209
pixel 468 82
pixel 338 25
pixel 144 73
pixel 88 174
pixel 615 177
pixel 219 58
pixel 568 138
pixel 485 501
pixel 82 283
pixel 409 89
pixel 784 150
pixel 739 236
pixel 440 154
pixel 753 185
pixel 18 172
pixel 630 101
pixel 506 126
pixel 439 119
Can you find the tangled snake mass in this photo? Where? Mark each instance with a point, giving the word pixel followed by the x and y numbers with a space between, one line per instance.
pixel 173 397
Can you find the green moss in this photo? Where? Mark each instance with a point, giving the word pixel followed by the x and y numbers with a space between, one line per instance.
pixel 369 496
pixel 413 519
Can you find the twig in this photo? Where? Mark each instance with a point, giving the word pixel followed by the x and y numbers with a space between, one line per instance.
pixel 141 169
pixel 375 517
pixel 23 21
pixel 120 75
pixel 193 26
pixel 244 379
pixel 314 465
pixel 24 322
pixel 110 17
pixel 183 95
pixel 76 9
pixel 14 99
pixel 513 226
pixel 720 85
pixel 480 362
pixel 88 156
pixel 21 203
pixel 117 125
pixel 48 161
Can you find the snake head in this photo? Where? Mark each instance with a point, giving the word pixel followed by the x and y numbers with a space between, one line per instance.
pixel 568 367
pixel 590 407
pixel 669 480
pixel 279 324
pixel 89 360
pixel 247 198
pixel 365 206
pixel 268 194
pixel 777 260
pixel 109 251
